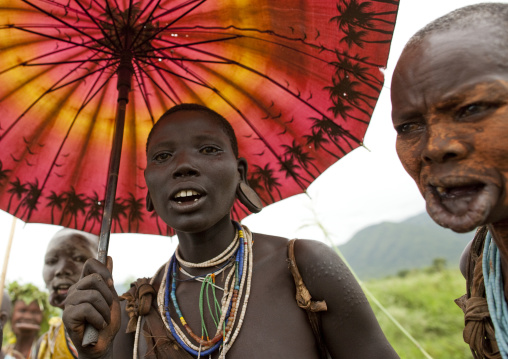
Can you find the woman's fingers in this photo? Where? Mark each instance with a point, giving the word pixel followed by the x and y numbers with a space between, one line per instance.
pixel 92 265
pixel 93 299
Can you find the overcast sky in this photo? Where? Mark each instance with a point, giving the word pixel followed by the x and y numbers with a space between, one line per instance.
pixel 364 188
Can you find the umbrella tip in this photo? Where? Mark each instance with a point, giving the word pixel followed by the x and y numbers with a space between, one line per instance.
pixel 363 145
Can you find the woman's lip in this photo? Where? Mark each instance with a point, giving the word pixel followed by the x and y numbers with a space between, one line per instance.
pixel 29 326
pixel 187 206
pixel 464 207
pixel 186 186
pixel 451 192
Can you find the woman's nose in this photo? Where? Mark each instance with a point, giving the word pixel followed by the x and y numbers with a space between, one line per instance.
pixel 64 269
pixel 443 146
pixel 184 165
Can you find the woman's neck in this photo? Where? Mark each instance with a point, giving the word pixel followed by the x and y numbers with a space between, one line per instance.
pixel 201 246
pixel 24 343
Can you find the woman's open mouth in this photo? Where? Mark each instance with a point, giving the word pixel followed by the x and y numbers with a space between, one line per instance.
pixel 460 204
pixel 62 289
pixel 456 199
pixel 28 326
pixel 187 195
pixel 187 199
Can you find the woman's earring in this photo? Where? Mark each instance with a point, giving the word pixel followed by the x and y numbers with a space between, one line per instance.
pixel 149 204
pixel 249 198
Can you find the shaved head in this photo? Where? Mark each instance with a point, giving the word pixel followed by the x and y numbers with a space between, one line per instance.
pixel 495 14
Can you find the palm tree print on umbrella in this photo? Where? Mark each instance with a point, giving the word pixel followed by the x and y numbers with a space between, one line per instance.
pixel 298 84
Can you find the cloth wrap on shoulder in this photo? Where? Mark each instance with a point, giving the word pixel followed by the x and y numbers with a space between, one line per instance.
pixel 142 301
pixel 478 332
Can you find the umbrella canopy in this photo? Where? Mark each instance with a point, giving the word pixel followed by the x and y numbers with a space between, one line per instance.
pixel 297 80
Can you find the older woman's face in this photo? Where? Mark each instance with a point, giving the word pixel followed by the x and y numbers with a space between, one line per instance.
pixel 63 262
pixel 192 173
pixel 450 110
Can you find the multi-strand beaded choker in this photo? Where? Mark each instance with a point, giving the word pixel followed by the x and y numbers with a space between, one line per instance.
pixel 229 314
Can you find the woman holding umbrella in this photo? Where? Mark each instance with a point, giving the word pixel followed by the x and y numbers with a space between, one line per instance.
pixel 225 291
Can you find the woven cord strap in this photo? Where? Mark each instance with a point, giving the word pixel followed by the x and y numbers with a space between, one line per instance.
pixel 304 301
pixel 141 301
pixel 479 330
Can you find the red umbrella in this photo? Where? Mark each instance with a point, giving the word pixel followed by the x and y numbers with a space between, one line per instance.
pixel 298 81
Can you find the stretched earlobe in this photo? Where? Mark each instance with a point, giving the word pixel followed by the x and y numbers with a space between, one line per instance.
pixel 149 204
pixel 249 198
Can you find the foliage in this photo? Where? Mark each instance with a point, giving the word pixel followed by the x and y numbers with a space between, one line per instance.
pixel 29 293
pixel 422 302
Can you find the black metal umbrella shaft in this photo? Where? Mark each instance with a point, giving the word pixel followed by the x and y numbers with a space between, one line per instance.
pixel 124 73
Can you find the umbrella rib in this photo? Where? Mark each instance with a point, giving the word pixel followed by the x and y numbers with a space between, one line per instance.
pixel 26 63
pixel 44 26
pixel 172 73
pixel 366 80
pixel 138 16
pixel 173 9
pixel 51 89
pixel 319 47
pixel 200 2
pixel 142 89
pixel 129 13
pixel 98 4
pixel 146 21
pixel 83 105
pixel 110 12
pixel 163 78
pixel 84 76
pixel 95 22
pixel 282 87
pixel 183 59
pixel 95 49
pixel 62 21
pixel 60 62
pixel 175 45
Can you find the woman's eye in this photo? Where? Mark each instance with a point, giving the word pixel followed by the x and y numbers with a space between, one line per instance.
pixel 50 261
pixel 406 128
pixel 161 156
pixel 80 259
pixel 210 150
pixel 473 109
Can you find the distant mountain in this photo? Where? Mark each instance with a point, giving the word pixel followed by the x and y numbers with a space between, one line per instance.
pixel 386 248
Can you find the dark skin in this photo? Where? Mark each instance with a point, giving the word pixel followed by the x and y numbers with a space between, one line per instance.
pixel 5 313
pixel 65 256
pixel 450 110
pixel 26 322
pixel 190 152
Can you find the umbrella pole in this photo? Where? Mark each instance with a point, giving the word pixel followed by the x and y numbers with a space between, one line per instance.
pixel 125 71
pixel 124 85
pixel 6 260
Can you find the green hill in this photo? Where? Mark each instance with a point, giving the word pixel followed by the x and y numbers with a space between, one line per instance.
pixel 385 249
pixel 422 302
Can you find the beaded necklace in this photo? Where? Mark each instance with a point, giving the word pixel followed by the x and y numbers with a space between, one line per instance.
pixel 238 279
pixel 494 291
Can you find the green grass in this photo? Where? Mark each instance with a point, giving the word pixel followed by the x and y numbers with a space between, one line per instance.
pixel 422 302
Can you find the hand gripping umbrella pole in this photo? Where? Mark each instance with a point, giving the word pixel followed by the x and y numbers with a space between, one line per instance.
pixel 124 73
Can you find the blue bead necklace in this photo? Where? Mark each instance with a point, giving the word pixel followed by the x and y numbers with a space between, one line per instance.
pixel 170 294
pixel 492 275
